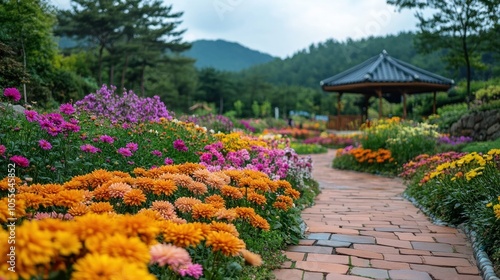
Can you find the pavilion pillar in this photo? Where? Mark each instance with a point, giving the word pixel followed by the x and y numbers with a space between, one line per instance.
pixel 379 94
pixel 339 124
pixel 404 105
pixel 434 104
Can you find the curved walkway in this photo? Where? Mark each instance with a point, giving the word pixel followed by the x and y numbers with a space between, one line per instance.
pixel 362 228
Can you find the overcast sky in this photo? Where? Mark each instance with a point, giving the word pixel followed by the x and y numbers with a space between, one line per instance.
pixel 283 27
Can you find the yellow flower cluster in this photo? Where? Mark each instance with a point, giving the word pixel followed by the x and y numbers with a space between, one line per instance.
pixel 495 207
pixel 236 141
pixel 471 165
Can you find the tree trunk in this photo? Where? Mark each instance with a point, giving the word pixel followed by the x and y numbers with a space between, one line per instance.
pixel 124 71
pixel 111 74
pixel 99 75
pixel 468 69
pixel 142 78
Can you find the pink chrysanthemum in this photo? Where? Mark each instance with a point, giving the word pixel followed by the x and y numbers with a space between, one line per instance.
pixel 67 109
pixel 180 145
pixel 156 153
pixel 132 146
pixel 44 144
pixel 193 270
pixel 20 160
pixel 2 150
pixel 31 116
pixel 106 139
pixel 89 149
pixel 12 93
pixel 125 152
pixel 168 254
pixel 168 161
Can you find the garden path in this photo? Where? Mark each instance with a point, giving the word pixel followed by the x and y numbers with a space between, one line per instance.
pixel 362 228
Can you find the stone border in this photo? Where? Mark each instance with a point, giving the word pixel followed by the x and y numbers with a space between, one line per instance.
pixel 483 262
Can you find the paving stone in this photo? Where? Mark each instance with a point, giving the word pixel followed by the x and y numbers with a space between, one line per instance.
pixel 388 265
pixel 370 272
pixel 307 242
pixel 360 253
pixel 388 229
pixel 394 243
pixel 313 275
pixel 412 237
pixel 328 258
pixel 322 267
pixel 319 236
pixel 295 256
pixel 334 276
pixel 353 238
pixel 467 270
pixel 414 252
pixel 444 261
pixel 288 274
pixel 355 261
pixel 437 272
pixel 434 247
pixel 409 275
pixel 403 258
pixel 333 243
pixel 376 248
pixel 310 249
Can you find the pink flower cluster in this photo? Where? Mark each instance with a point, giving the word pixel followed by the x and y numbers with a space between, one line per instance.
pixel 20 160
pixel 12 93
pixel 277 163
pixel 180 145
pixel 52 123
pixel 176 258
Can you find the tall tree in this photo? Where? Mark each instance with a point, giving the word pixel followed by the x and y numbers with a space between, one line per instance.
pixel 459 26
pixel 26 28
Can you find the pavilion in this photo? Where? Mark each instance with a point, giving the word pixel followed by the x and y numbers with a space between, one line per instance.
pixel 383 76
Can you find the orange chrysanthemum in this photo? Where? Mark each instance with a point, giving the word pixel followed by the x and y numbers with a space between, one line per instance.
pixel 201 175
pixel 93 225
pixel 95 266
pixel 225 178
pixel 165 208
pixel 260 185
pixel 251 258
pixel 216 200
pixel 197 188
pixel 189 168
pixel 78 210
pixel 225 242
pixel 130 248
pixel 144 183
pixel 140 225
pixel 245 213
pixel 99 177
pixel 231 192
pixel 134 197
pixel 118 190
pixel 164 187
pixel 295 194
pixel 256 198
pixel 68 198
pixel 182 180
pixel 183 235
pixel 203 211
pixel 185 204
pixel 31 200
pixel 101 207
pixel 259 222
pixel 226 214
pixel 218 226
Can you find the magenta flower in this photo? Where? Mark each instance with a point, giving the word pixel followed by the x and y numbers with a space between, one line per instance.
pixel 168 161
pixel 2 149
pixel 180 145
pixel 125 152
pixel 132 146
pixel 89 149
pixel 193 270
pixel 20 160
pixel 156 153
pixel 106 139
pixel 67 109
pixel 44 144
pixel 31 115
pixel 12 93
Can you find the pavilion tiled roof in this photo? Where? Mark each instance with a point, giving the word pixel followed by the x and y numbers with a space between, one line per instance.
pixel 384 69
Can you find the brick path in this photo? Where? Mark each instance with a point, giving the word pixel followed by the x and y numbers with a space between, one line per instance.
pixel 361 228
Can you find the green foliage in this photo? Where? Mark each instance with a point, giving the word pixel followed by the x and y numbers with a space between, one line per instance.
pixel 305 149
pixel 256 109
pixel 481 147
pixel 448 115
pixel 489 93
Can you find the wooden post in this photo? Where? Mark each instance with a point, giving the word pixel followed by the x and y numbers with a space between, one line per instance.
pixel 339 125
pixel 434 104
pixel 404 105
pixel 379 94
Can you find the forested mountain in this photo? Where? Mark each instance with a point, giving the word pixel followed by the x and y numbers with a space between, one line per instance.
pixel 224 55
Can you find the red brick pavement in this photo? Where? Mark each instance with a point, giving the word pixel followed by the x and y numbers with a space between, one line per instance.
pixel 361 228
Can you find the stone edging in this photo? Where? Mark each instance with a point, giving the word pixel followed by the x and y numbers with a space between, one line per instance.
pixel 483 262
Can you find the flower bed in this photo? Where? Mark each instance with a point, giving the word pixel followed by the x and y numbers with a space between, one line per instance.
pixel 100 194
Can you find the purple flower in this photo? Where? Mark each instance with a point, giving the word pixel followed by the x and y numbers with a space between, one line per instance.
pixel 168 161
pixel 156 153
pixel 12 93
pixel 31 115
pixel 2 149
pixel 106 139
pixel 89 149
pixel 44 144
pixel 180 145
pixel 125 152
pixel 132 146
pixel 20 160
pixel 67 109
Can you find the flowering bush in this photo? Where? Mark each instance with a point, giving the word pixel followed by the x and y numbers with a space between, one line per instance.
pixel 297 133
pixel 216 123
pixel 461 188
pixel 375 161
pixel 333 140
pixel 177 220
pixel 127 107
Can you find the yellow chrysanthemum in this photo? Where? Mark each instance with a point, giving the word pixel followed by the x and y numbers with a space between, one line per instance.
pixel 93 224
pixel 130 248
pixel 182 235
pixel 140 225
pixel 66 243
pixel 95 266
pixel 225 242
pixel 496 209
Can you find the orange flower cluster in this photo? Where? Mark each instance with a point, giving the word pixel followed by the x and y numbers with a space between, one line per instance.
pixel 368 156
